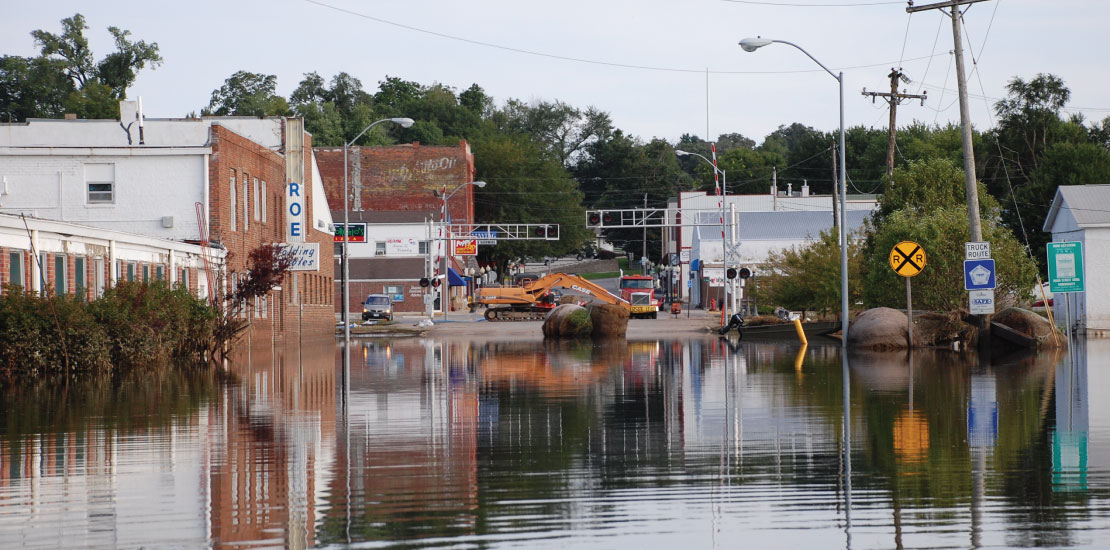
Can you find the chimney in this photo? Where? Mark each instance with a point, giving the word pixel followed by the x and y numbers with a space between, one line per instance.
pixel 805 188
pixel 790 189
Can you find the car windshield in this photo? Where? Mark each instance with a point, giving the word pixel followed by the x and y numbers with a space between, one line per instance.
pixel 636 283
pixel 377 301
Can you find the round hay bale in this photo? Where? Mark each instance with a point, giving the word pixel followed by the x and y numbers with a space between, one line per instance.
pixel 609 320
pixel 881 328
pixel 1030 324
pixel 567 321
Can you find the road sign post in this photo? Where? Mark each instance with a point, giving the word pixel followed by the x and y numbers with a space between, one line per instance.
pixel 907 259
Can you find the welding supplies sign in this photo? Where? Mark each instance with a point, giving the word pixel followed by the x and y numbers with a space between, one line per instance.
pixel 907 258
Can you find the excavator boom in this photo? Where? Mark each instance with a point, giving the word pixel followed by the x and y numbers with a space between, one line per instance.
pixel 522 303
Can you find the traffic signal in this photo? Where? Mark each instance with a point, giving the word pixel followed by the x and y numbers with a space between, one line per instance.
pixel 745 273
pixel 424 282
pixel 730 273
pixel 593 219
pixel 606 218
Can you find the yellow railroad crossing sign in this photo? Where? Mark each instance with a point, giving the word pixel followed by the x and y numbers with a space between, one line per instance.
pixel 907 258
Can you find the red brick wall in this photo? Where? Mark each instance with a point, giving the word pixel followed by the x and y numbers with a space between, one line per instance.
pixel 234 154
pixel 401 177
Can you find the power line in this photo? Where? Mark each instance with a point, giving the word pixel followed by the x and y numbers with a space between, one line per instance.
pixel 580 59
pixel 800 5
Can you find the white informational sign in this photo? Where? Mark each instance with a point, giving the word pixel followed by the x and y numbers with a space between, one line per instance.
pixel 684 256
pixel 981 302
pixel 977 251
pixel 715 276
pixel 294 212
pixel 402 247
pixel 306 256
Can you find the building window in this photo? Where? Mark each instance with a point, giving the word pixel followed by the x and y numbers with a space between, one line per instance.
pixel 257 212
pixel 234 206
pixel 101 182
pixel 246 203
pixel 15 268
pixel 397 292
pixel 79 275
pixel 160 272
pixel 379 248
pixel 131 272
pixel 60 274
pixel 146 273
pixel 264 202
pixel 98 276
pixel 423 248
pixel 44 264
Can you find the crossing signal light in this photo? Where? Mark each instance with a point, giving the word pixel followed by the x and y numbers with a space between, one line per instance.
pixel 730 273
pixel 607 217
pixel 424 282
pixel 435 283
pixel 593 219
pixel 745 273
pixel 544 231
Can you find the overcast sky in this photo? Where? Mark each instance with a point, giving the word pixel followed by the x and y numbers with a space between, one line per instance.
pixel 643 61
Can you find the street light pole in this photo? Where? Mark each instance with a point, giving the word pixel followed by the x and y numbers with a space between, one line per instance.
pixel 344 257
pixel 753 44
pixel 726 241
pixel 445 288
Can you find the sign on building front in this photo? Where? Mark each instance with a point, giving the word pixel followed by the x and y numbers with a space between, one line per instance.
pixel 466 247
pixel 402 247
pixel 306 256
pixel 357 233
pixel 294 212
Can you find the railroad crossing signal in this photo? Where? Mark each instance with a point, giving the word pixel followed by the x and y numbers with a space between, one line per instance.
pixel 907 258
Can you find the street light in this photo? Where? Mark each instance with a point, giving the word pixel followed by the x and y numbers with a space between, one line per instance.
pixel 724 245
pixel 445 290
pixel 404 123
pixel 753 44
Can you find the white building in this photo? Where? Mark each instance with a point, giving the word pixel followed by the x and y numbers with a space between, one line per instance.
pixel 767 222
pixel 1082 213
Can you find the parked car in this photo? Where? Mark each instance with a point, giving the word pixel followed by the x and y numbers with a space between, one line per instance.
pixel 377 306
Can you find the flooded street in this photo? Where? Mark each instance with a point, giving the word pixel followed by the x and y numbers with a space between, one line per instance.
pixel 696 442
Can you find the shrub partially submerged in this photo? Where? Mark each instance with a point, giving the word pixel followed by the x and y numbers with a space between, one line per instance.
pixel 133 324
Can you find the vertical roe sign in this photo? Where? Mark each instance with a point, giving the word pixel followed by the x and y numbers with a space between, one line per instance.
pixel 294 213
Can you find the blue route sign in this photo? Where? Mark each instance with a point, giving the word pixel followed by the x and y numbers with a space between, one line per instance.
pixel 979 274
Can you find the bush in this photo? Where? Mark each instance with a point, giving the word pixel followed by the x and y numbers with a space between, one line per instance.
pixel 606 254
pixel 132 325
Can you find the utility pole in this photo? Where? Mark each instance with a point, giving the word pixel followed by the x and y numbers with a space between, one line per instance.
pixel 965 116
pixel 893 99
pixel 965 125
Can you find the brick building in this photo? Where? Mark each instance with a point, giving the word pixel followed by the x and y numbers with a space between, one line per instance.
pixel 397 196
pixel 224 178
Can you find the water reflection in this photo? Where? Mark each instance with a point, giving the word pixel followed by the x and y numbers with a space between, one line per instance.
pixel 697 442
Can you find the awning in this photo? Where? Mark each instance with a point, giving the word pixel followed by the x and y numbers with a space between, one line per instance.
pixel 453 278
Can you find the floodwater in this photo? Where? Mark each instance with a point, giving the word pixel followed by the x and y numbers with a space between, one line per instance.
pixel 689 443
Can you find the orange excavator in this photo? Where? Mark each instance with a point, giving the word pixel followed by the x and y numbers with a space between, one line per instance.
pixel 531 299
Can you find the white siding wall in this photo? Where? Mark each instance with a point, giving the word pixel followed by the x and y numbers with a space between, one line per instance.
pixel 146 188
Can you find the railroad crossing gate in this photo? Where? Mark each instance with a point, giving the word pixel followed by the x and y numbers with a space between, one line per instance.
pixel 907 258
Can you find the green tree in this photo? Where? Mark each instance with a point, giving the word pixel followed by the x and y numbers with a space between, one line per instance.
pixel 1061 164
pixel 336 113
pixel 928 206
pixel 247 94
pixel 562 129
pixel 808 277
pixel 66 78
pixel 525 186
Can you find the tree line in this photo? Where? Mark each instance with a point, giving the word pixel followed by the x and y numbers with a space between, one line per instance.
pixel 546 161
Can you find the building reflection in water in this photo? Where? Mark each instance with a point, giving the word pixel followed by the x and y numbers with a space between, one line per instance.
pixel 457 441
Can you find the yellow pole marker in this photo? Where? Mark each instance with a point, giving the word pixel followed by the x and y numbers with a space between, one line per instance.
pixel 801 333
